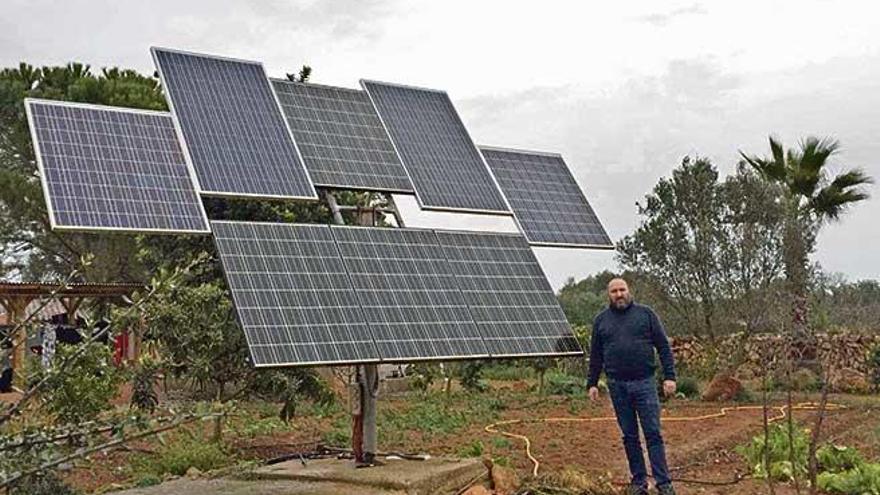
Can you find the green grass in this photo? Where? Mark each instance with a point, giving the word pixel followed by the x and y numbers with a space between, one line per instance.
pixel 180 455
pixel 340 435
pixel 434 415
pixel 321 410
pixel 507 372
pixel 556 383
pixel 473 449
pixel 501 442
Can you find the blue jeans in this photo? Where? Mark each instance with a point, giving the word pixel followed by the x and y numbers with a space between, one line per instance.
pixel 637 402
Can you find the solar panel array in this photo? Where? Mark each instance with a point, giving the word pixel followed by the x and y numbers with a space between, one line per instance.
pixel 545 198
pixel 231 123
pixel 341 138
pixel 444 165
pixel 105 168
pixel 310 294
pixel 315 294
pixel 292 293
pixel 409 294
pixel 508 294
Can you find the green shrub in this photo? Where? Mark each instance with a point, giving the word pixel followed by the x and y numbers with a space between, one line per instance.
pixel 85 387
pixel 744 395
pixel 47 483
pixel 289 387
pixel 874 365
pixel 423 375
pixel 688 387
pixel 805 380
pixel 470 374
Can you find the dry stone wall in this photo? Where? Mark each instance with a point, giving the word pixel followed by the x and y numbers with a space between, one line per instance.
pixel 845 355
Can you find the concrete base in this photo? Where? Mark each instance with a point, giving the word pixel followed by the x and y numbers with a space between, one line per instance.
pixel 438 476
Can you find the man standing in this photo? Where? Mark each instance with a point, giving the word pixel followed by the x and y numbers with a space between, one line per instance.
pixel 624 338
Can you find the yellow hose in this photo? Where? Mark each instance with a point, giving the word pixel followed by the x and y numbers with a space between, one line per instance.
pixel 780 414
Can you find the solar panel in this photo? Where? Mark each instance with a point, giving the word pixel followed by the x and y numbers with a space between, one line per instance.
pixel 292 294
pixel 106 168
pixel 232 127
pixel 409 294
pixel 342 140
pixel 546 200
pixel 508 295
pixel 444 165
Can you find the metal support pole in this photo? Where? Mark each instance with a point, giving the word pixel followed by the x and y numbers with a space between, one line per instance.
pixel 369 395
pixel 364 431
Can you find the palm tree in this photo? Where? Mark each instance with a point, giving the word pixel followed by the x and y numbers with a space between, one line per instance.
pixel 812 198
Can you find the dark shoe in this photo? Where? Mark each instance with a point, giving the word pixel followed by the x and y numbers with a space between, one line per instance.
pixel 666 489
pixel 636 490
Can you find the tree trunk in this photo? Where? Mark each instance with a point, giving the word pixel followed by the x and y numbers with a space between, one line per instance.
pixel 795 253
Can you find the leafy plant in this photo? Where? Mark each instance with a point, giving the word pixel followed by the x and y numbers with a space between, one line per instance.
pixel 85 387
pixel 861 480
pixel 842 469
pixel 564 384
pixel 470 376
pixel 423 375
pixel 778 446
pixel 288 387
pixel 836 458
pixel 143 385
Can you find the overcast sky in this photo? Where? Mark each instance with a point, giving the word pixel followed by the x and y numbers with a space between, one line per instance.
pixel 623 90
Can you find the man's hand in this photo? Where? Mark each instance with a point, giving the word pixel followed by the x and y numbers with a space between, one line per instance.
pixel 594 394
pixel 669 388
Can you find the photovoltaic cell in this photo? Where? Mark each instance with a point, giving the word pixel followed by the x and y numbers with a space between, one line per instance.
pixel 106 168
pixel 341 138
pixel 444 165
pixel 508 295
pixel 545 198
pixel 409 294
pixel 232 127
pixel 293 294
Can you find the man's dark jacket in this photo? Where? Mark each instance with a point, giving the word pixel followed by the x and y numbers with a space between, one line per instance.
pixel 623 344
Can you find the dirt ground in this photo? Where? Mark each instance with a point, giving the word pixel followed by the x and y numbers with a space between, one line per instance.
pixel 702 450
pixel 697 450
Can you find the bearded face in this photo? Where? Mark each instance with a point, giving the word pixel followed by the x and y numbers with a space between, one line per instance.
pixel 619 296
